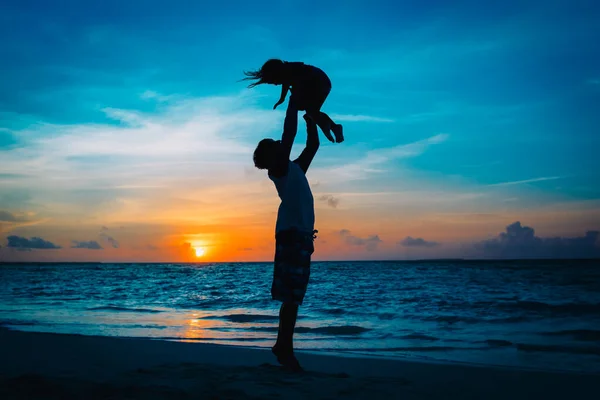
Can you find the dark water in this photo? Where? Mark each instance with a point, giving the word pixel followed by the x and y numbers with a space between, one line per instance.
pixel 541 314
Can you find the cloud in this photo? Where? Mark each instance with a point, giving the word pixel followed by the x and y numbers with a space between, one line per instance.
pixel 152 95
pixel 370 243
pixel 331 201
pixel 113 242
pixel 359 118
pixel 521 242
pixel 188 144
pixel 18 242
pixel 91 245
pixel 376 160
pixel 10 221
pixel 5 216
pixel 416 242
pixel 541 179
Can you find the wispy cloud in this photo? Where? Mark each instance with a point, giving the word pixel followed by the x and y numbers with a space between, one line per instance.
pixel 370 243
pixel 113 242
pixel 533 180
pixel 330 200
pixel 90 245
pixel 23 243
pixel 152 95
pixel 409 241
pixel 375 160
pixel 359 118
pixel 188 145
pixel 5 216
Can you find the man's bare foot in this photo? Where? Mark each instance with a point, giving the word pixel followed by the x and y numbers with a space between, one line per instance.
pixel 288 361
pixel 277 354
pixel 338 131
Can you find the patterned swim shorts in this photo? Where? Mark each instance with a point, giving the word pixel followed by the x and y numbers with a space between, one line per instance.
pixel 293 250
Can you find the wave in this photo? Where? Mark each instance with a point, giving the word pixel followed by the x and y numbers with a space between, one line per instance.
pixel 451 319
pixel 140 326
pixel 334 330
pixel 418 336
pixel 406 349
pixel 386 316
pixel 345 330
pixel 209 339
pixel 586 335
pixel 244 318
pixel 18 322
pixel 123 309
pixel 202 304
pixel 334 311
pixel 558 349
pixel 496 342
pixel 565 308
pixel 521 318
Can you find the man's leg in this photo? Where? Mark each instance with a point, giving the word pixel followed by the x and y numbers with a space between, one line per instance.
pixel 290 280
pixel 288 314
pixel 284 347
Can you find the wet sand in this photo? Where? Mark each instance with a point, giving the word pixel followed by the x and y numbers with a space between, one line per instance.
pixel 54 366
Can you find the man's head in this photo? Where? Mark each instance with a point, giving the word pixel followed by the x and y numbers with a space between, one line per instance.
pixel 265 155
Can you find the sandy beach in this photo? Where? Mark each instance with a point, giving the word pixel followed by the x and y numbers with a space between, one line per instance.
pixel 54 366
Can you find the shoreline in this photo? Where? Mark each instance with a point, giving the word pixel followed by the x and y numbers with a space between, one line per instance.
pixel 329 352
pixel 77 366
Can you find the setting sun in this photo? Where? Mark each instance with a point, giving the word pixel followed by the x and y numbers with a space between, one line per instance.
pixel 199 251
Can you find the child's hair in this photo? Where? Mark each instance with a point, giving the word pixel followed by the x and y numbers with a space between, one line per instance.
pixel 270 72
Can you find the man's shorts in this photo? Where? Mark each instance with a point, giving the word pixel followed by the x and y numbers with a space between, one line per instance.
pixel 293 250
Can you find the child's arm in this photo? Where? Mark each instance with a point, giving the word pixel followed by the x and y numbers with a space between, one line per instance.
pixel 284 91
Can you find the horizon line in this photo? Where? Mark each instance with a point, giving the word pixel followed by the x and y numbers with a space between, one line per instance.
pixel 313 261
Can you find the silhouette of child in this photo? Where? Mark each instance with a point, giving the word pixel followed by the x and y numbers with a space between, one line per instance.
pixel 309 85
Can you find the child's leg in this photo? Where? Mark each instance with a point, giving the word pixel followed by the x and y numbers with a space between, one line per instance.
pixel 338 131
pixel 323 121
pixel 326 124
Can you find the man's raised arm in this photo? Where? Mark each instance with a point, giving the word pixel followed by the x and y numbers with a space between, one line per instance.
pixel 312 145
pixel 290 129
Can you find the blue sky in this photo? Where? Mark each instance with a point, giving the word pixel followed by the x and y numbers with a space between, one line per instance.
pixel 488 107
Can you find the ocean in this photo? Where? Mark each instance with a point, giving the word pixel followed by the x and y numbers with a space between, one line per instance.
pixel 529 314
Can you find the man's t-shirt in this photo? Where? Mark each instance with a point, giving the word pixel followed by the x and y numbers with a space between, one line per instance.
pixel 297 209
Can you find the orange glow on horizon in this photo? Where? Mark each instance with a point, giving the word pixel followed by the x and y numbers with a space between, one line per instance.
pixel 200 251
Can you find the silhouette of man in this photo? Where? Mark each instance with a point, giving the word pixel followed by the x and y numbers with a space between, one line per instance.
pixel 294 230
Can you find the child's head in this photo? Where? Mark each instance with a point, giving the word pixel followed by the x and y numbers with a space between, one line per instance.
pixel 266 153
pixel 270 72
